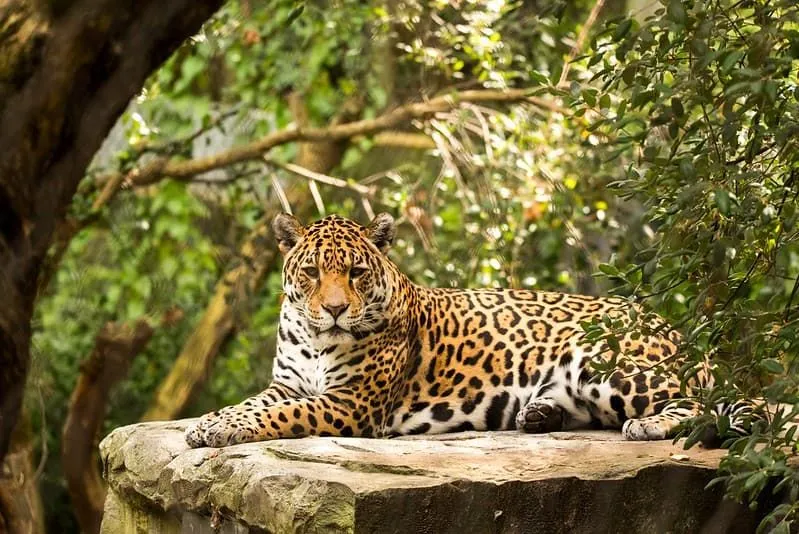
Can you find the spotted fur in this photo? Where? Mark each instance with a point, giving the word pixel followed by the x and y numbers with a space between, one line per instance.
pixel 362 351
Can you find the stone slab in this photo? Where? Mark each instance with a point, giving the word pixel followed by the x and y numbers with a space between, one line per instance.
pixel 474 482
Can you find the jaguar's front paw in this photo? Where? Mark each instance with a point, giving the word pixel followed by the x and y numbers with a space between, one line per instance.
pixel 218 429
pixel 195 432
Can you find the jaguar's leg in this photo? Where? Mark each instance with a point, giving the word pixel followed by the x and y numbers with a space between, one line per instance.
pixel 276 392
pixel 660 425
pixel 741 415
pixel 335 413
pixel 541 414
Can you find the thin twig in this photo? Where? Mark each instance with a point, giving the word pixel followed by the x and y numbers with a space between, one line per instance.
pixel 392 174
pixel 367 208
pixel 399 139
pixel 43 458
pixel 790 299
pixel 578 46
pixel 112 185
pixel 281 195
pixel 744 280
pixel 171 145
pixel 317 197
pixel 484 130
pixel 227 179
pixel 319 177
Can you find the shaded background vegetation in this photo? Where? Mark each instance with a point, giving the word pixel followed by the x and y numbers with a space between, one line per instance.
pixel 654 143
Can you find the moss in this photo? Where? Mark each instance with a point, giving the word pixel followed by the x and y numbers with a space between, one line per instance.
pixel 336 516
pixel 123 517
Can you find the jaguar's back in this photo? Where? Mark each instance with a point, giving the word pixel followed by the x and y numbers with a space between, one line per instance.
pixel 488 359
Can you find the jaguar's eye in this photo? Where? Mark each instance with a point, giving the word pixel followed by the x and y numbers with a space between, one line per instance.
pixel 357 272
pixel 311 271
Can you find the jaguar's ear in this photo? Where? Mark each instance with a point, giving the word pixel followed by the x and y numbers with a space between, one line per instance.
pixel 381 231
pixel 288 230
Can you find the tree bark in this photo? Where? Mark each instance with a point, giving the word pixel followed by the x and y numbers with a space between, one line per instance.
pixel 21 509
pixel 114 349
pixel 67 71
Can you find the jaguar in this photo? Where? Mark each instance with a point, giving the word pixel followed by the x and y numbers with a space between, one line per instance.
pixel 364 351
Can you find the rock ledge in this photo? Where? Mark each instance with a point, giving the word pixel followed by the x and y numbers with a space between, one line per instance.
pixel 460 483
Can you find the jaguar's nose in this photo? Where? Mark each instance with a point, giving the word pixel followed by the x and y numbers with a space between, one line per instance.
pixel 336 310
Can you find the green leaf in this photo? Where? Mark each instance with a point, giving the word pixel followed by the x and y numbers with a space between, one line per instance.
pixel 676 107
pixel 723 424
pixel 294 14
pixel 730 60
pixel 687 169
pixel 722 200
pixel 642 98
pixel 772 366
pixel 628 74
pixel 595 58
pixel 622 29
pixel 190 68
pixel 589 95
pixel 608 269
pixel 676 12
pixel 694 437
pixel 755 479
pixel 134 309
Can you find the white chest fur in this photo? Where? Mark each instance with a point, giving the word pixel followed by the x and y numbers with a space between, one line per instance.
pixel 302 363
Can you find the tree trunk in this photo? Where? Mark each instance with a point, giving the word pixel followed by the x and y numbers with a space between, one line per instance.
pixel 114 349
pixel 191 368
pixel 67 71
pixel 21 509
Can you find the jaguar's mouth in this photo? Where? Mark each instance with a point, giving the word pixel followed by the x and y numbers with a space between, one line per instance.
pixel 334 330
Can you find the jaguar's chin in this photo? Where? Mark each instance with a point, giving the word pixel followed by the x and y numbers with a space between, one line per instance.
pixel 334 332
pixel 337 330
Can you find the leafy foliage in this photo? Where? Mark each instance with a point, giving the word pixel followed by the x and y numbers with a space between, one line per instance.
pixel 705 97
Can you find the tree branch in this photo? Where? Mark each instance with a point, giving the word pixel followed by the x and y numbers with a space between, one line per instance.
pixel 400 139
pixel 115 347
pixel 160 168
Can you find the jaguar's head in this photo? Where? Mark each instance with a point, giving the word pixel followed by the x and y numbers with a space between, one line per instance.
pixel 336 273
